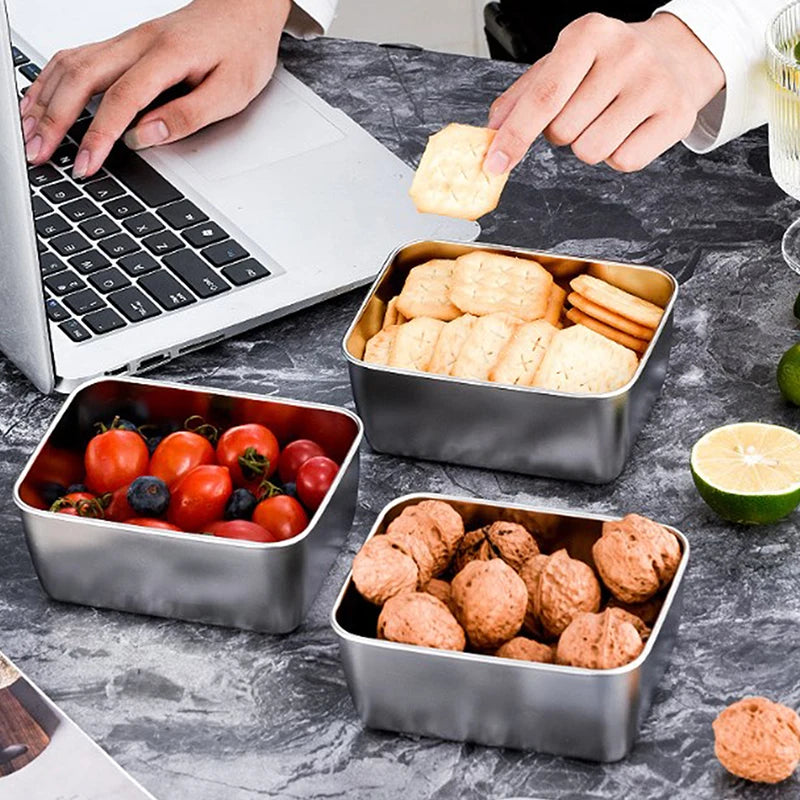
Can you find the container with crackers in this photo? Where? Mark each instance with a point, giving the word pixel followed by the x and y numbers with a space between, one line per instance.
pixel 510 359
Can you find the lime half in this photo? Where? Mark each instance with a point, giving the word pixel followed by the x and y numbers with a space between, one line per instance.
pixel 789 374
pixel 748 472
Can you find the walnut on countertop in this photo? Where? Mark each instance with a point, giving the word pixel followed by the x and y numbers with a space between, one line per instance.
pixel 509 541
pixel 421 619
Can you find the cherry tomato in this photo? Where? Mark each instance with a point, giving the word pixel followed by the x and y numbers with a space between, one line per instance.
pixel 148 522
pixel 282 516
pixel 294 455
pixel 314 479
pixel 119 510
pixel 179 453
pixel 114 459
pixel 199 497
pixel 250 452
pixel 241 529
pixel 78 504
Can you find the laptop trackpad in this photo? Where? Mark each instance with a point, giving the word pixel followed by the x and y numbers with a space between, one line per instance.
pixel 277 125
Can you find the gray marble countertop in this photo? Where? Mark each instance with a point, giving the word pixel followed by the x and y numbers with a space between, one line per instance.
pixel 201 713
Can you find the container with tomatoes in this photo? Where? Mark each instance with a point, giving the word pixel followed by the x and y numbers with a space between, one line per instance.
pixel 191 503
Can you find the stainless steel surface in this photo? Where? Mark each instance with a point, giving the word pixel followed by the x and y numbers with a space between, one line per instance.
pixel 589 714
pixel 264 587
pixel 519 429
pixel 72 766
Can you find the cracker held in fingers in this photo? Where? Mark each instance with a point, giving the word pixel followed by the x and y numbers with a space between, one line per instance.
pixel 414 343
pixel 578 317
pixel 486 340
pixel 523 354
pixel 449 345
pixel 488 283
pixel 618 300
pixel 450 179
pixel 610 318
pixel 378 347
pixel 582 361
pixel 426 292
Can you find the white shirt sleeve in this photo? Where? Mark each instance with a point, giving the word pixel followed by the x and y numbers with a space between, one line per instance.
pixel 310 18
pixel 735 33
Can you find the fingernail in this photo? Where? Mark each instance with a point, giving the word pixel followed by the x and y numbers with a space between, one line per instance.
pixel 146 135
pixel 24 103
pixel 33 147
pixel 81 165
pixel 28 124
pixel 496 163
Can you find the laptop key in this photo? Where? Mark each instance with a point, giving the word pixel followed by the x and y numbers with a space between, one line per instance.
pixel 19 57
pixel 99 227
pixel 64 283
pixel 196 274
pixel 61 192
pixel 80 209
pixel 245 272
pixel 124 206
pixel 83 302
pixel 138 264
pixel 224 253
pixel 108 280
pixel 141 178
pixel 55 311
pixel 119 245
pixel 90 261
pixel 41 247
pixel 50 263
pixel 143 224
pixel 64 156
pixel 201 235
pixel 43 174
pixel 69 243
pixel 182 214
pixel 162 243
pixel 79 128
pixel 165 290
pixel 104 189
pixel 134 304
pixel 39 206
pixel 104 321
pixel 51 225
pixel 30 71
pixel 75 330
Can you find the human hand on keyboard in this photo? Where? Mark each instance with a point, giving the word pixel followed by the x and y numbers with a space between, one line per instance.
pixel 225 50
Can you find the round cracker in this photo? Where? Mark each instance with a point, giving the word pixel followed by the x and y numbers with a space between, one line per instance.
pixel 610 318
pixel 578 317
pixel 618 300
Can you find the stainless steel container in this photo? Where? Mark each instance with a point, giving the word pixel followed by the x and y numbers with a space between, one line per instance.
pixel 520 429
pixel 590 714
pixel 257 586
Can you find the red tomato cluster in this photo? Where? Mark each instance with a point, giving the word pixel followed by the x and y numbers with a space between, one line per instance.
pixel 242 487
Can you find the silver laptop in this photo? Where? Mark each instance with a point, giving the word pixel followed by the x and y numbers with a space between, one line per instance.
pixel 282 206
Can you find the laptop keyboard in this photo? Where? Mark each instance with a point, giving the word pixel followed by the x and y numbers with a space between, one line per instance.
pixel 124 245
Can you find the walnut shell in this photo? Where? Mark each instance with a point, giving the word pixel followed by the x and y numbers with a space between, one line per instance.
pixel 758 740
pixel 599 641
pixel 414 543
pixel 647 611
pixel 636 557
pixel 489 599
pixel 523 649
pixel 381 569
pixel 441 591
pixel 559 588
pixel 506 540
pixel 448 521
pixel 422 619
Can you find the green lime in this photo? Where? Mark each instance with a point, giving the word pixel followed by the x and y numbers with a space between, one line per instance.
pixel 748 472
pixel 797 307
pixel 789 374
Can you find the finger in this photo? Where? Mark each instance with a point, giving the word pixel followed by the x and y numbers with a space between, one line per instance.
pixel 652 138
pixel 501 107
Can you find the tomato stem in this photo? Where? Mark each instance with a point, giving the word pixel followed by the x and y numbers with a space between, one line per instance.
pixel 253 464
pixel 267 489
pixel 196 424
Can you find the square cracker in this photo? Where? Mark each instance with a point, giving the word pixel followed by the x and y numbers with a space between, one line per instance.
pixel 618 300
pixel 414 343
pixel 450 179
pixel 482 348
pixel 488 283
pixel 580 360
pixel 378 347
pixel 555 304
pixel 451 340
pixel 392 316
pixel 426 292
pixel 523 354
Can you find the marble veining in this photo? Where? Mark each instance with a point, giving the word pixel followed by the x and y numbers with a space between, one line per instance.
pixel 205 713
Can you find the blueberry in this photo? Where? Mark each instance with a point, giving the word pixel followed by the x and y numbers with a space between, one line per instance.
pixel 124 425
pixel 240 505
pixel 148 496
pixel 77 487
pixel 152 442
pixel 290 488
pixel 51 492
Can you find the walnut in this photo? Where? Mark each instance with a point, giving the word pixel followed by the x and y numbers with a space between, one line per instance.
pixel 524 649
pixel 507 540
pixel 411 539
pixel 599 641
pixel 636 557
pixel 421 619
pixel 637 622
pixel 447 519
pixel 435 522
pixel 758 740
pixel 381 569
pixel 441 591
pixel 559 588
pixel 489 599
pixel 647 611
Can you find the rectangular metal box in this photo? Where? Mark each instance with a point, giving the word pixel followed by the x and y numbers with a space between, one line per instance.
pixel 199 578
pixel 570 711
pixel 584 437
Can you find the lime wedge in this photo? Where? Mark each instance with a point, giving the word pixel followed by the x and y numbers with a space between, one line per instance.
pixel 789 374
pixel 748 472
